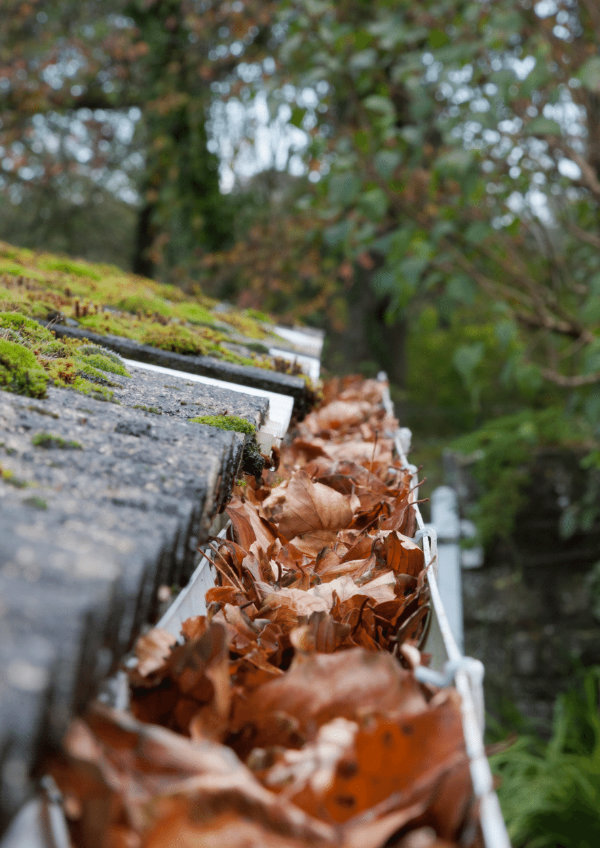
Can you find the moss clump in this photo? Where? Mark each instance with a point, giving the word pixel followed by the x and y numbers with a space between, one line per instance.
pixel 48 440
pixel 36 502
pixel 153 409
pixel 179 339
pixel 102 359
pixel 18 328
pixel 93 363
pixel 67 266
pixel 109 301
pixel 20 372
pixel 195 313
pixel 244 323
pixel 144 303
pixel 226 422
pixel 8 476
pixel 67 362
pixel 253 462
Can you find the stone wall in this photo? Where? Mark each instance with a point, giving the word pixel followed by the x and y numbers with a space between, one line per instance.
pixel 529 610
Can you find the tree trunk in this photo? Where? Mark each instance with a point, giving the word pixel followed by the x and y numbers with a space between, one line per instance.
pixel 142 263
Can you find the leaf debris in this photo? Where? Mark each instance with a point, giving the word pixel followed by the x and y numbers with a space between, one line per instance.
pixel 289 715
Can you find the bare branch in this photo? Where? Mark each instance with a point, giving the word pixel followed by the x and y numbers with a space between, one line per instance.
pixel 584 235
pixel 574 382
pixel 589 179
pixel 593 11
pixel 562 328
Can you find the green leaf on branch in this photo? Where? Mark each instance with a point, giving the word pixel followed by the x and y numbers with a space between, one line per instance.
pixel 386 162
pixel 343 189
pixel 374 204
pixel 589 75
pixel 543 126
pixel 297 116
pixel 466 359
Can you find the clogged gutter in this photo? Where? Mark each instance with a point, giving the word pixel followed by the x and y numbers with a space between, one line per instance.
pixel 289 714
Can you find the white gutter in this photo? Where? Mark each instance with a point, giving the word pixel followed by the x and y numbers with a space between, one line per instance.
pixel 466 672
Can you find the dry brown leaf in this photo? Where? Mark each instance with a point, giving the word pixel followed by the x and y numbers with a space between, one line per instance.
pixel 321 598
pixel 152 651
pixel 163 779
pixel 321 633
pixel 350 769
pixel 320 687
pixel 179 826
pixel 338 415
pixel 400 553
pixel 302 506
pixel 249 526
pixel 194 681
pixel 194 627
pixel 312 544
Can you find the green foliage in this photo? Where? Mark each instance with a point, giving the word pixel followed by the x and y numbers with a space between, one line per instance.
pixel 549 790
pixel 133 144
pixel 461 371
pixel 501 452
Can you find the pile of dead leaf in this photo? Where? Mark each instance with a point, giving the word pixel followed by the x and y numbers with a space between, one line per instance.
pixel 289 714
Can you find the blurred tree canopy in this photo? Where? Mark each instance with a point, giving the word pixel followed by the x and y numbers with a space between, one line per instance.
pixel 110 101
pixel 444 225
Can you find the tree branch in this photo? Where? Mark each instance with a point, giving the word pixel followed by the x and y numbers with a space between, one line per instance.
pixel 589 178
pixel 573 382
pixel 562 328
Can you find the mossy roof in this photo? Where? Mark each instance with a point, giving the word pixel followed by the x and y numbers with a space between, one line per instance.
pixel 107 300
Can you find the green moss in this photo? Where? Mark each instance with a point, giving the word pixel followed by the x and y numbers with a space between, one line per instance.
pixel 93 363
pixel 15 269
pixel 102 359
pixel 111 323
pixel 17 327
pixel 195 313
pixel 19 370
pixel 18 253
pixel 12 268
pixel 109 301
pixel 253 461
pixel 179 339
pixel 226 422
pixel 99 392
pixel 152 409
pixel 36 502
pixel 48 440
pixel 67 266
pixel 244 323
pixel 148 304
pixel 8 476
pixel 67 362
